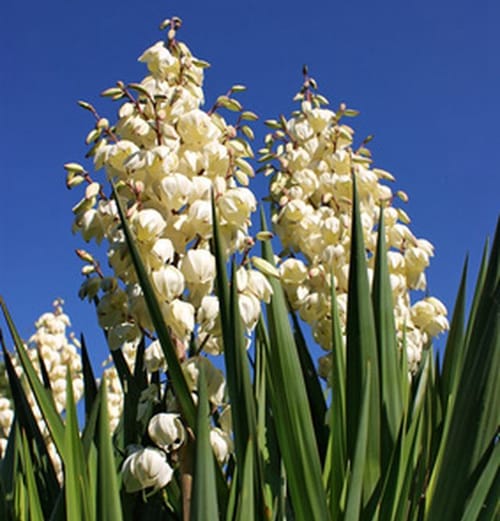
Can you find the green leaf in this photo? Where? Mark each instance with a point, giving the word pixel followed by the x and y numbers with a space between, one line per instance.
pixel 313 387
pixel 454 351
pixel 290 406
pixel 24 413
pixel 246 507
pixel 355 502
pixel 238 375
pixel 463 453
pixel 488 481
pixel 34 504
pixel 204 499
pixel 45 475
pixel 89 383
pixel 337 444
pixel 108 490
pixel 8 471
pixel 176 374
pixel 390 376
pixel 399 494
pixel 76 484
pixel 43 371
pixel 478 289
pixel 235 356
pixel 361 349
pixel 270 483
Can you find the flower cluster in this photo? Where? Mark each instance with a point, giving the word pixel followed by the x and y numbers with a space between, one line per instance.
pixel 168 158
pixel 312 160
pixel 58 353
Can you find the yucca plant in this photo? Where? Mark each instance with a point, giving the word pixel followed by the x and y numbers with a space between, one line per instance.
pixel 435 454
pixel 379 442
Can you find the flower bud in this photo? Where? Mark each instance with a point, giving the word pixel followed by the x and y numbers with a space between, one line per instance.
pixel 73 180
pixel 102 124
pixel 92 190
pixel 111 92
pixel 92 136
pixel 264 236
pixel 86 106
pixel 74 167
pixel 402 195
pixel 88 269
pixel 265 267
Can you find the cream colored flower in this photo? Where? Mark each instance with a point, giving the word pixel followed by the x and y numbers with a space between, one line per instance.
pixel 154 359
pixel 196 128
pixel 148 225
pixel 216 385
pixel 222 445
pixel 169 282
pixel 159 60
pixel 167 431
pixel 249 307
pixel 146 468
pixel 180 317
pixel 198 267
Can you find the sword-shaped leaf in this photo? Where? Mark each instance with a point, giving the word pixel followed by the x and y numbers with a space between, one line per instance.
pixel 176 374
pixel 204 500
pixel 361 349
pixel 239 386
pixel 390 376
pixel 355 503
pixel 464 452
pixel 108 490
pixel 35 507
pixel 291 411
pixel 76 484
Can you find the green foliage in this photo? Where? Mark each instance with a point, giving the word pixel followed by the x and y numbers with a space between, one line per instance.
pixel 379 448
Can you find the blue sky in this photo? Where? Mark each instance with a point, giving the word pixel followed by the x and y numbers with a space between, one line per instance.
pixel 425 76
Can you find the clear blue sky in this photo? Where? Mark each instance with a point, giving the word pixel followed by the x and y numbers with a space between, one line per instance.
pixel 425 75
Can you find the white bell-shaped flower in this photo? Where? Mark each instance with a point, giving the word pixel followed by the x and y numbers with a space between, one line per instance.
pixel 208 315
pixel 167 431
pixel 148 224
pixel 259 286
pixel 154 359
pixel 222 445
pixel 249 306
pixel 146 468
pixel 216 385
pixel 169 282
pixel 196 128
pixel 173 191
pixel 159 60
pixel 198 267
pixel 236 205
pixel 161 253
pixel 180 317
